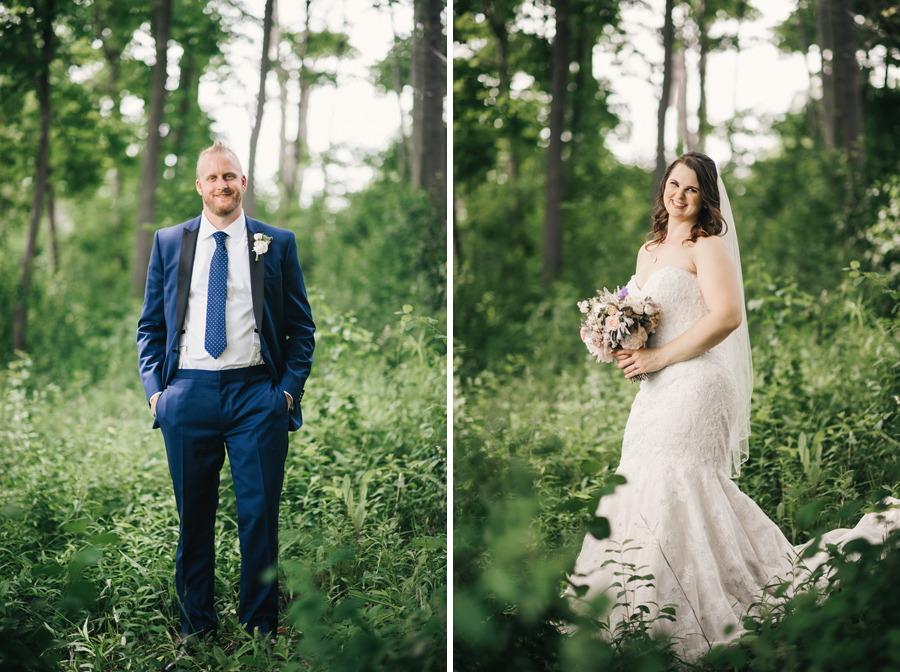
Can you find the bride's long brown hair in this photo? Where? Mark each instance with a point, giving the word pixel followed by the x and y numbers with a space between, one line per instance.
pixel 710 221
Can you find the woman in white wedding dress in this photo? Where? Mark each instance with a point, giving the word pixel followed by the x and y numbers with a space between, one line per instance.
pixel 710 548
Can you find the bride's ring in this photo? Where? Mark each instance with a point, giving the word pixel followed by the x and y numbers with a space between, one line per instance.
pixel 633 367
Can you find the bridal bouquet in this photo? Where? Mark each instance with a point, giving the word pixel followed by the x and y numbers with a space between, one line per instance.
pixel 615 321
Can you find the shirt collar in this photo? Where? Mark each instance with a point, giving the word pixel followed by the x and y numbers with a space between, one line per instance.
pixel 237 230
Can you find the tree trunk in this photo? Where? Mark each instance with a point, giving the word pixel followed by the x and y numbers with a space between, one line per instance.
pixel 679 77
pixel 143 243
pixel 189 94
pixel 116 219
pixel 703 37
pixel 402 151
pixel 457 240
pixel 824 36
pixel 250 194
pixel 51 226
pixel 429 159
pixel 497 21
pixel 41 173
pixel 417 80
pixel 113 58
pixel 668 39
pixel 804 46
pixel 434 161
pixel 582 42
pixel 285 150
pixel 848 115
pixel 301 146
pixel 554 188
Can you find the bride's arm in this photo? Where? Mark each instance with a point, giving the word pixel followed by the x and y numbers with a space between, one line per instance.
pixel 721 292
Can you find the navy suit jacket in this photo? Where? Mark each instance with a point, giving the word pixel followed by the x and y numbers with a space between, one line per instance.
pixel 280 306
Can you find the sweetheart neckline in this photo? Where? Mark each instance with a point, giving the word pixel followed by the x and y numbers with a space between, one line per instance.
pixel 659 270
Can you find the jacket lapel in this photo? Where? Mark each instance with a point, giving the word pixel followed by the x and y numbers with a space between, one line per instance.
pixel 257 276
pixel 185 269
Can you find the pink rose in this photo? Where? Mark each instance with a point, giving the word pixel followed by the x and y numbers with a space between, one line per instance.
pixel 636 340
pixel 612 322
pixel 605 355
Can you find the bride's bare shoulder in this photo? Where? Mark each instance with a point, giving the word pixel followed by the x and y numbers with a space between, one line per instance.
pixel 644 251
pixel 643 256
pixel 707 246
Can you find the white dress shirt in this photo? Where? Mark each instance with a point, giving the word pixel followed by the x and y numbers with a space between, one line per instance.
pixel 240 326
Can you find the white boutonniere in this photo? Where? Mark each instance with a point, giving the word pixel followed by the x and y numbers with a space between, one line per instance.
pixel 261 244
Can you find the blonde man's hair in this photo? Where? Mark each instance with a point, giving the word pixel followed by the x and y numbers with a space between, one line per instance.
pixel 218 147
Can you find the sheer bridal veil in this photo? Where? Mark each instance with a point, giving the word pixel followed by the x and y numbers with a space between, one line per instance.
pixel 737 348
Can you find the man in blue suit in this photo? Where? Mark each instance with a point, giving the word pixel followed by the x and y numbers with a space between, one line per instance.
pixel 225 344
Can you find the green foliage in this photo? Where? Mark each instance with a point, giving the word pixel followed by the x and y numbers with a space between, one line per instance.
pixel 800 210
pixel 387 248
pixel 815 403
pixel 535 448
pixel 396 65
pixel 847 622
pixel 88 526
pixel 502 310
pixel 883 241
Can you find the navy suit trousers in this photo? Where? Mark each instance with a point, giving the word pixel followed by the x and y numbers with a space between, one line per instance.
pixel 203 413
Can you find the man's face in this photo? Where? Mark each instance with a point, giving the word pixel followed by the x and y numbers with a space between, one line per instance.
pixel 221 184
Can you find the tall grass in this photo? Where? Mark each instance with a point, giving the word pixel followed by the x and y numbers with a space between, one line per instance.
pixel 88 525
pixel 536 445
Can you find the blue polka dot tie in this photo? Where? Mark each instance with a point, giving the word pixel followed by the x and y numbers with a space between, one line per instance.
pixel 215 298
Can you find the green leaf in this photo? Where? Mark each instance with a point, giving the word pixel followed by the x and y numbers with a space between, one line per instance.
pixel 82 593
pixel 590 467
pixel 48 570
pixel 104 538
pixel 598 528
pixel 87 556
pixel 430 543
pixel 76 526
pixel 580 591
pixel 12 511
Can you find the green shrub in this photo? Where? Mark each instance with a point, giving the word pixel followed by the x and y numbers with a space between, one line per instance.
pixel 88 525
pixel 534 448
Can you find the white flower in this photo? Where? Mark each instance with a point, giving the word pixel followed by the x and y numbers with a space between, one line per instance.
pixel 261 244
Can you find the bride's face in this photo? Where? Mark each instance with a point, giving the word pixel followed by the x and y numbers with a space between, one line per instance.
pixel 682 194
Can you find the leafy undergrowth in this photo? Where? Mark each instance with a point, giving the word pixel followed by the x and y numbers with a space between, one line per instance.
pixel 535 448
pixel 88 526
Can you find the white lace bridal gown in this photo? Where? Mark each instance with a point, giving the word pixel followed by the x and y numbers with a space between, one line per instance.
pixel 709 547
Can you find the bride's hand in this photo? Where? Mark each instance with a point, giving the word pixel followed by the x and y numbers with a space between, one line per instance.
pixel 636 362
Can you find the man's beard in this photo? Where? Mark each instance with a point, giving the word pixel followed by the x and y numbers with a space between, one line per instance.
pixel 218 211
